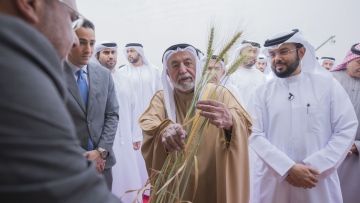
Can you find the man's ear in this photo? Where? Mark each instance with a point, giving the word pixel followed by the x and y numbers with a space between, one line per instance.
pixel 302 52
pixel 30 9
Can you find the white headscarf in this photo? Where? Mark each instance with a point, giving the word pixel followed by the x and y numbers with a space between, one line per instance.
pixel 308 62
pixel 321 61
pixel 262 57
pixel 236 54
pixel 153 69
pixel 139 49
pixel 166 81
pixel 99 47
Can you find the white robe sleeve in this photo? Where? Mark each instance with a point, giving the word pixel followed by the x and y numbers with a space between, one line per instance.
pixel 277 161
pixel 135 110
pixel 357 144
pixel 158 83
pixel 344 126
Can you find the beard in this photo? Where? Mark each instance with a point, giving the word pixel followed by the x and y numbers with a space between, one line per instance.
pixel 186 86
pixel 107 65
pixel 249 63
pixel 261 69
pixel 134 60
pixel 290 67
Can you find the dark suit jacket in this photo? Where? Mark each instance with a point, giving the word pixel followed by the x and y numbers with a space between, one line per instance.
pixel 100 119
pixel 41 160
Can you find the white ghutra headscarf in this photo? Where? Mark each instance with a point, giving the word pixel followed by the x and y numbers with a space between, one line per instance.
pixel 166 81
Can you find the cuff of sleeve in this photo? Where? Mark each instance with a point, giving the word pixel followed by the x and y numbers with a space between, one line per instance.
pixel 282 178
pixel 318 161
pixel 137 139
pixel 357 144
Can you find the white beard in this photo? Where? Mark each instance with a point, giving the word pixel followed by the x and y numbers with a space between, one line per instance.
pixel 186 86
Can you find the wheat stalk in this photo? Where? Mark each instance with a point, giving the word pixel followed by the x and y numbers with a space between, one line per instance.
pixel 173 173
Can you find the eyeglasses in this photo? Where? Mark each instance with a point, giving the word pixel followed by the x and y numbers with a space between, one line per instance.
pixel 79 21
pixel 281 53
pixel 254 44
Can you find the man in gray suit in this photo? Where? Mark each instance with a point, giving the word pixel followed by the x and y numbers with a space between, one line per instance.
pixel 41 160
pixel 92 102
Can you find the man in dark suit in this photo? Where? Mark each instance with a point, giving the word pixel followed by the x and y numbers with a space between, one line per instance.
pixel 92 102
pixel 41 160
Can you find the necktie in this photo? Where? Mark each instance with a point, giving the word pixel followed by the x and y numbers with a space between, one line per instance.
pixel 84 93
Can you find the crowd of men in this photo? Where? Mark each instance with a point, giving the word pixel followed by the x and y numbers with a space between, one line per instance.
pixel 75 127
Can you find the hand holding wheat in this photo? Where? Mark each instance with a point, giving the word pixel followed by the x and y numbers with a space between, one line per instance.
pixel 216 112
pixel 174 137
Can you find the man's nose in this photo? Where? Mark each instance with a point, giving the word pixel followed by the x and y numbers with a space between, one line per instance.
pixel 182 69
pixel 87 48
pixel 277 56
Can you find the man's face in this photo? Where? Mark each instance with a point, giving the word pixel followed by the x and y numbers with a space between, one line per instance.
pixel 133 55
pixel 108 57
pixel 286 61
pixel 260 65
pixel 81 55
pixel 353 68
pixel 216 70
pixel 181 68
pixel 251 55
pixel 63 37
pixel 327 64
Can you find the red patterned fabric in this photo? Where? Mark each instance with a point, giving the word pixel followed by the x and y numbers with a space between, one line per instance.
pixel 349 57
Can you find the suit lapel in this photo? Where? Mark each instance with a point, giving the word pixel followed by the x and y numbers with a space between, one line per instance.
pixel 73 87
pixel 93 85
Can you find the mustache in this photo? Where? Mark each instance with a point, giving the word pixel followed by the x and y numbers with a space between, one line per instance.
pixel 280 63
pixel 186 75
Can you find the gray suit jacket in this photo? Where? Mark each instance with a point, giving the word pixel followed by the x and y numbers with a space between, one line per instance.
pixel 100 119
pixel 41 160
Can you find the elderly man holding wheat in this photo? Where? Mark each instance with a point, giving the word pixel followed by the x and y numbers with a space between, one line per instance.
pixel 195 135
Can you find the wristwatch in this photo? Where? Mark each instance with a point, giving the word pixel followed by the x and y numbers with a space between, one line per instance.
pixel 103 152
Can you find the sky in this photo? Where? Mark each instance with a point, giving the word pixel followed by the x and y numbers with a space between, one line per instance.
pixel 158 24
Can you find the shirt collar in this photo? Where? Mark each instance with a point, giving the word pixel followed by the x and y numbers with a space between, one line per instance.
pixel 74 68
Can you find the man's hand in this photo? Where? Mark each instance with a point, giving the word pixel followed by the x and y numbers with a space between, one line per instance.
pixel 95 156
pixel 304 175
pixel 101 166
pixel 291 181
pixel 216 112
pixel 353 150
pixel 137 145
pixel 174 137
